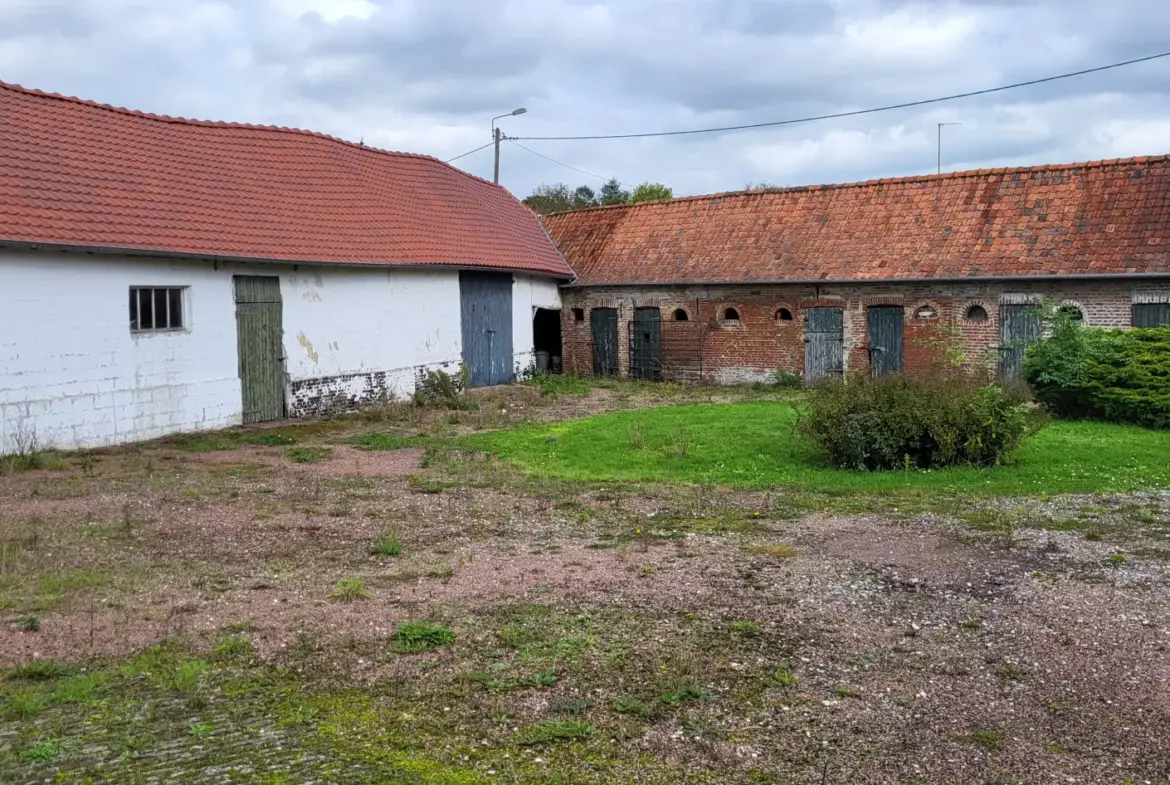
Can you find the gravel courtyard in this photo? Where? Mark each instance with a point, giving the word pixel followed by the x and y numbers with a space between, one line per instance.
pixel 228 608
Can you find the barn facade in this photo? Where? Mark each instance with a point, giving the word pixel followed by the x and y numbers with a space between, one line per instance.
pixel 888 275
pixel 160 275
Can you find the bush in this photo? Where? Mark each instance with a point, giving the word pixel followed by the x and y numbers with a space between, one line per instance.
pixel 894 421
pixel 1083 372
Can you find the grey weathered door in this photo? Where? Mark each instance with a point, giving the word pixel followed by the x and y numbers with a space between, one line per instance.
pixel 1019 326
pixel 604 322
pixel 824 344
pixel 486 305
pixel 646 344
pixel 260 335
pixel 885 338
pixel 1151 314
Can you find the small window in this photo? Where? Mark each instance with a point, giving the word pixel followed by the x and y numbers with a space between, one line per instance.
pixel 680 316
pixel 730 315
pixel 784 315
pixel 926 312
pixel 578 314
pixel 1072 312
pixel 977 313
pixel 156 309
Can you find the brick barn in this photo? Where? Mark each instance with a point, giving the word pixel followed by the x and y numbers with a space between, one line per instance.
pixel 874 276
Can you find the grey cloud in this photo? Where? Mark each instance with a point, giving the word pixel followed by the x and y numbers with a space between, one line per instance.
pixel 427 76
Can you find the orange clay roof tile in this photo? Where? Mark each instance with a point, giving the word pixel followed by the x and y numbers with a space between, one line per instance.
pixel 1070 219
pixel 77 173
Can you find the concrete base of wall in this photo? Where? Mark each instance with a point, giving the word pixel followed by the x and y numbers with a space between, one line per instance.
pixel 331 394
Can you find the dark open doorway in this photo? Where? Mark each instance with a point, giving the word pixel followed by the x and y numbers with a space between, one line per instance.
pixel 546 340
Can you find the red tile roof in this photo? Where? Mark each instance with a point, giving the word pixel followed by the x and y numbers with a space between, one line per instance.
pixel 1106 217
pixel 76 173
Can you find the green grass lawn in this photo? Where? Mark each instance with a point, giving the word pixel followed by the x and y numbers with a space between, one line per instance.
pixel 754 445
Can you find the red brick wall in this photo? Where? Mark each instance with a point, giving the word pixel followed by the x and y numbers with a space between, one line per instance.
pixel 757 345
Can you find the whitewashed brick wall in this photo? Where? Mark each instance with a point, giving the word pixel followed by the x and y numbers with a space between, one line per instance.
pixel 73 375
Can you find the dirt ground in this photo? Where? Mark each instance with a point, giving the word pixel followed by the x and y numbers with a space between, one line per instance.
pixel 601 632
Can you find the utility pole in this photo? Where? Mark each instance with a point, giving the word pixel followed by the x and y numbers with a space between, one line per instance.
pixel 498 136
pixel 940 171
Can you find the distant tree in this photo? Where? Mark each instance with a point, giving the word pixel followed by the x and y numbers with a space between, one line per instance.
pixel 762 185
pixel 584 197
pixel 613 193
pixel 546 199
pixel 650 192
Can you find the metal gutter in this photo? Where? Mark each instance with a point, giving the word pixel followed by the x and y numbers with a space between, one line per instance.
pixel 221 259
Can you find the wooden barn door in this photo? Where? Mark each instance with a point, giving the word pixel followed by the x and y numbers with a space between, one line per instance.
pixel 486 310
pixel 1151 314
pixel 885 339
pixel 1019 326
pixel 604 322
pixel 646 344
pixel 260 334
pixel 824 344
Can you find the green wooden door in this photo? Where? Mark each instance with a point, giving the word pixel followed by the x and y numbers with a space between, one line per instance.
pixel 260 332
pixel 646 344
pixel 604 322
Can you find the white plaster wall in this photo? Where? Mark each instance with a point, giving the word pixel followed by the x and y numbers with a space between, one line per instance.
pixel 528 294
pixel 352 322
pixel 72 373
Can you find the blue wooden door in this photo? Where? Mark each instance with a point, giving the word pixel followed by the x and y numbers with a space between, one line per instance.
pixel 486 306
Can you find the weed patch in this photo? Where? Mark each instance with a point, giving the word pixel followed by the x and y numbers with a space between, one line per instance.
pixel 349 589
pixel 415 637
pixel 387 441
pixel 387 545
pixel 308 454
pixel 551 731
pixel 986 738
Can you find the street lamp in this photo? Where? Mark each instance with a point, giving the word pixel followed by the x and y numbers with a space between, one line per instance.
pixel 497 136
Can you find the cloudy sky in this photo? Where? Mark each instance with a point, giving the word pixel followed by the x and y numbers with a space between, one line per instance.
pixel 427 76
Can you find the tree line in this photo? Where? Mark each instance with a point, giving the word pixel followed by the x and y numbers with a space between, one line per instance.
pixel 560 198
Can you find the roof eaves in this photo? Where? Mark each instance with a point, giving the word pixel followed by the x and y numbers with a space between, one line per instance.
pixel 578 284
pixel 229 259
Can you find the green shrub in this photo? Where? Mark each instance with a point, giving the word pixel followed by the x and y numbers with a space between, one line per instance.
pixel 1081 372
pixel 932 420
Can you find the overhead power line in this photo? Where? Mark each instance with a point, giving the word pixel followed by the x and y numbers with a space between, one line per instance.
pixel 854 113
pixel 555 161
pixel 469 152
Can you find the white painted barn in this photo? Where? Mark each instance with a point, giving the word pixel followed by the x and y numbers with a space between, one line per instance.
pixel 160 275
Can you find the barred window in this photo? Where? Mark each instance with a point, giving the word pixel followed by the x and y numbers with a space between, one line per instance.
pixel 156 309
